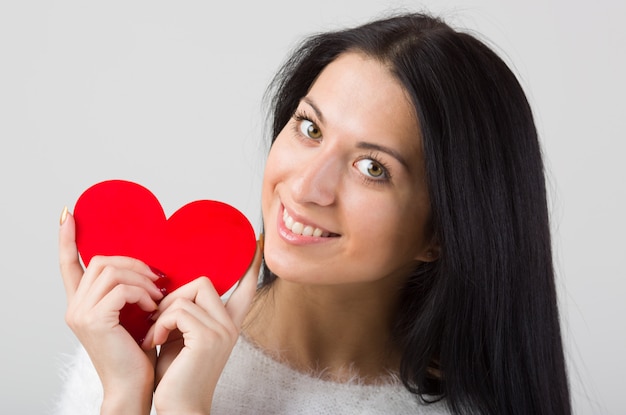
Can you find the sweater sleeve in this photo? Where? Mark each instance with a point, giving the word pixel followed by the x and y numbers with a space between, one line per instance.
pixel 82 391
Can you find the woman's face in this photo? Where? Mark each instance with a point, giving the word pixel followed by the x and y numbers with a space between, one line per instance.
pixel 344 194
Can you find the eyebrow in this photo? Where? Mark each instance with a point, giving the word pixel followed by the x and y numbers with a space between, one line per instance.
pixel 393 153
pixel 316 110
pixel 361 144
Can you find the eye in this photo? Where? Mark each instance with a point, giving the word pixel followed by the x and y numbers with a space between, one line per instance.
pixel 309 129
pixel 371 168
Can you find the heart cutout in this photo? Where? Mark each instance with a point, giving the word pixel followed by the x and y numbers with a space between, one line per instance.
pixel 202 238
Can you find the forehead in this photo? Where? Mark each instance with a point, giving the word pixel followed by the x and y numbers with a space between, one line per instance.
pixel 358 97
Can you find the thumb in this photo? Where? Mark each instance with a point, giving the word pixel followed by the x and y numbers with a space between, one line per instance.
pixel 71 270
pixel 239 302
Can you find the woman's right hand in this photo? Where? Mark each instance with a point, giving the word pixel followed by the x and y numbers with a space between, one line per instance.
pixel 95 297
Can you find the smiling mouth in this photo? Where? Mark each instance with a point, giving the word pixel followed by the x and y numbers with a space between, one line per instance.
pixel 299 228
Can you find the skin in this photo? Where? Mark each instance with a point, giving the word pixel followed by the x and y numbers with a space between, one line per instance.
pixel 191 324
pixel 334 302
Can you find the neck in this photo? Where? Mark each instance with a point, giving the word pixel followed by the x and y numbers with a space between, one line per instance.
pixel 341 331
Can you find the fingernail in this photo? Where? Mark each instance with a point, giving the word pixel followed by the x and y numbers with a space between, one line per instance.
pixel 156 272
pixel 63 216
pixel 162 284
pixel 159 291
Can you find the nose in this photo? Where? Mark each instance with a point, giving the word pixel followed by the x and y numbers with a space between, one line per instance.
pixel 317 180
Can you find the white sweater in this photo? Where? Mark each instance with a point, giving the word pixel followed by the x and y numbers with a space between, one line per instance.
pixel 254 383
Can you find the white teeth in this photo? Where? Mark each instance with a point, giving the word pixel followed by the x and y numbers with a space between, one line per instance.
pixel 301 229
pixel 297 228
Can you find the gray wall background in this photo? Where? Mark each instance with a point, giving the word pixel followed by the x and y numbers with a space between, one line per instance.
pixel 168 94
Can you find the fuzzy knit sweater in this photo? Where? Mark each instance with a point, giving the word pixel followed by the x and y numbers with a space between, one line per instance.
pixel 254 383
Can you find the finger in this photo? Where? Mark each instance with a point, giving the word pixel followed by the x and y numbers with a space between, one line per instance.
pixel 159 332
pixel 98 264
pixel 110 277
pixel 127 294
pixel 105 314
pixel 194 323
pixel 167 323
pixel 239 302
pixel 71 270
pixel 202 292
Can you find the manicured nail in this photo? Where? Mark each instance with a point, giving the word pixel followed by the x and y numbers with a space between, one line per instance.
pixel 162 283
pixel 157 272
pixel 63 216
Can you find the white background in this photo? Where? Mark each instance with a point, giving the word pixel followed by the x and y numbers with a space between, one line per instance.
pixel 169 94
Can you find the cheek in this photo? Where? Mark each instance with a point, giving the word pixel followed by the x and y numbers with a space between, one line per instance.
pixel 272 170
pixel 267 190
pixel 276 169
pixel 387 225
pixel 280 164
pixel 397 227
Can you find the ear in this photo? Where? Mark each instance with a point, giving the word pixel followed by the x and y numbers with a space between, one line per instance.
pixel 430 253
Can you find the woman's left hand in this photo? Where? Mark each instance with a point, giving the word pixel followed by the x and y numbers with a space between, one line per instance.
pixel 197 332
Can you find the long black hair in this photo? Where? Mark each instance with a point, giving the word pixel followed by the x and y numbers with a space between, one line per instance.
pixel 484 314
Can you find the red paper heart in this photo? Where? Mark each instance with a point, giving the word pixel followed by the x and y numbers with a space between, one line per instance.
pixel 203 238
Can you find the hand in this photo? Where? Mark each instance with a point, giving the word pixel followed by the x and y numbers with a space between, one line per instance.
pixel 95 296
pixel 197 333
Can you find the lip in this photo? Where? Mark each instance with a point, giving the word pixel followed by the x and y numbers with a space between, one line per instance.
pixel 296 239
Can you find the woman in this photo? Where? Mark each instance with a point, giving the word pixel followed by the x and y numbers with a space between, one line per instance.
pixel 407 259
